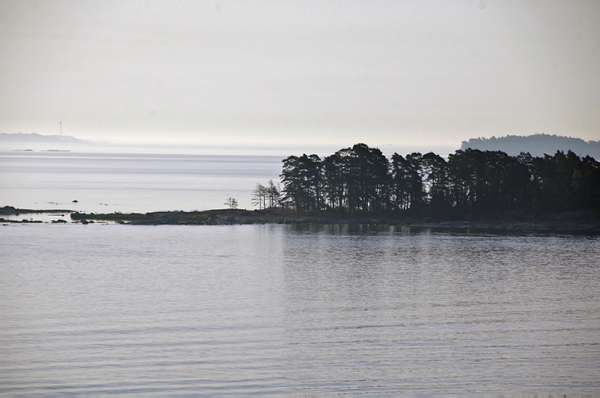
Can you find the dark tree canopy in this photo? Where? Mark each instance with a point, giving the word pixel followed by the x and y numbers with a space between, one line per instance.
pixel 361 179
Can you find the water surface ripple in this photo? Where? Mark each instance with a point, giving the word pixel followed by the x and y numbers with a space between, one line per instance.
pixel 284 309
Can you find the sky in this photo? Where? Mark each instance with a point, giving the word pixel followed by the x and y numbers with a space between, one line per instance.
pixel 300 72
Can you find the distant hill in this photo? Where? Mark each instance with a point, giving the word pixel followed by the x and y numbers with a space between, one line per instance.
pixel 34 137
pixel 537 145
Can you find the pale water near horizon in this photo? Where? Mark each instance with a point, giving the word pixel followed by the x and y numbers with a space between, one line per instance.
pixel 111 182
pixel 296 309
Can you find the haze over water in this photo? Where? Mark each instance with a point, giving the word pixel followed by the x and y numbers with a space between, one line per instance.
pixel 295 309
pixel 130 182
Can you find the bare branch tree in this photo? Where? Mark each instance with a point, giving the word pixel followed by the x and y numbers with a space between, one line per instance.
pixel 259 196
pixel 273 194
pixel 232 203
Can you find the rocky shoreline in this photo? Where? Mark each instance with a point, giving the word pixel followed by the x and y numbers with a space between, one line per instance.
pixel 567 223
pixel 581 222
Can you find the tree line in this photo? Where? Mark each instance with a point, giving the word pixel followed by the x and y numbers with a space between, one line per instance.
pixel 361 179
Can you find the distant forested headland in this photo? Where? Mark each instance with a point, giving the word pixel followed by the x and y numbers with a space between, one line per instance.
pixel 473 182
pixel 34 137
pixel 536 145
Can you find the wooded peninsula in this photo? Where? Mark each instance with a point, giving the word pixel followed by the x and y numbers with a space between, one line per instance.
pixel 470 189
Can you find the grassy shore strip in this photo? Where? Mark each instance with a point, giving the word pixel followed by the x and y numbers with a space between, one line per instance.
pixel 207 217
pixel 580 222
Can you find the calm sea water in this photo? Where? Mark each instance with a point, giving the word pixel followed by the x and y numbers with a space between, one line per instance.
pixel 284 309
pixel 274 308
pixel 109 182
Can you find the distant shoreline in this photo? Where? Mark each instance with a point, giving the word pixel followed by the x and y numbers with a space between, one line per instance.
pixel 10 210
pixel 569 223
pixel 536 145
pixel 38 138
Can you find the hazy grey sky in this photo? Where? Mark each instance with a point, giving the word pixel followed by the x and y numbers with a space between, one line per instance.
pixel 329 72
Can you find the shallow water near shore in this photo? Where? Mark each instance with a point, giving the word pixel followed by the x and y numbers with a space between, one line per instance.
pixel 295 309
